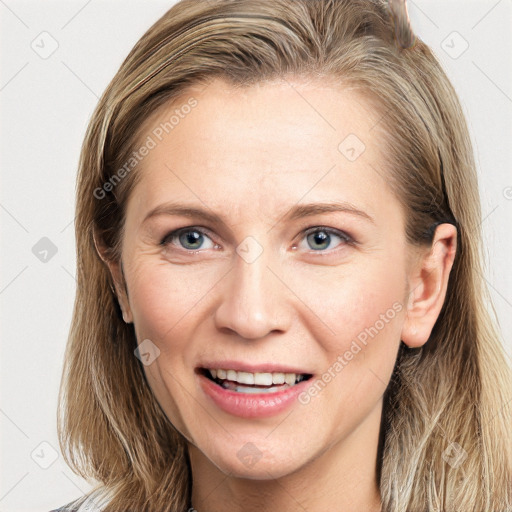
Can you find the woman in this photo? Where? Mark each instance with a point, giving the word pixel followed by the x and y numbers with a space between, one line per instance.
pixel 280 302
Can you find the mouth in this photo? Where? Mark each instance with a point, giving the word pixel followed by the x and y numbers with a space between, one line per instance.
pixel 246 382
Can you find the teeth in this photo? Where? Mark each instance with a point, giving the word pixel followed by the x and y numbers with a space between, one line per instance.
pixel 290 378
pixel 263 379
pixel 279 378
pixel 250 389
pixel 244 378
pixel 259 379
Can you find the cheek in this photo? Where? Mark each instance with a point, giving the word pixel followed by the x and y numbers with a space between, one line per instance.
pixel 360 302
pixel 166 301
pixel 363 306
pixel 166 298
pixel 369 359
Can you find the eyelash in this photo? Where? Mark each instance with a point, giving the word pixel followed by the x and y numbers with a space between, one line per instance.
pixel 346 239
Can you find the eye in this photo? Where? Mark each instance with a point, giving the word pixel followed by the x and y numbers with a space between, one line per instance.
pixel 190 239
pixel 321 238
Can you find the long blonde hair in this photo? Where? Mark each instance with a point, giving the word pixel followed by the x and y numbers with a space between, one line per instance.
pixel 445 441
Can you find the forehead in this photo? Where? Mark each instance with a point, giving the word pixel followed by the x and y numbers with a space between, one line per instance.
pixel 267 144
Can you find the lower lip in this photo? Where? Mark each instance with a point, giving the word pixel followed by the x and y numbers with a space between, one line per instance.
pixel 252 405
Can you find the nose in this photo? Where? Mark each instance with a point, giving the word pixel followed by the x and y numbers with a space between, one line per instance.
pixel 253 302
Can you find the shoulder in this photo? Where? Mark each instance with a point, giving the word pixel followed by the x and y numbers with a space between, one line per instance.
pixel 72 506
pixel 93 502
pixel 66 508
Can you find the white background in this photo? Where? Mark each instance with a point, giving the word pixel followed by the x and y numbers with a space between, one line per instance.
pixel 46 104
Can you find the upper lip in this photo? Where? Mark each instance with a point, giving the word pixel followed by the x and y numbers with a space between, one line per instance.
pixel 241 366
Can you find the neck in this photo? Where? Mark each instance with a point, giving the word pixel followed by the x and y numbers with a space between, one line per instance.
pixel 342 477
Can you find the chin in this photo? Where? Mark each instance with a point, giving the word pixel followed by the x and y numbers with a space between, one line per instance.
pixel 255 462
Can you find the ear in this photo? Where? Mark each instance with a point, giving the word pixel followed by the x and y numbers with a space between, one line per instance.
pixel 428 282
pixel 116 271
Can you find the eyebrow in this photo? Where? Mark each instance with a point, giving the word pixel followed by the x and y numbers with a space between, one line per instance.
pixel 297 212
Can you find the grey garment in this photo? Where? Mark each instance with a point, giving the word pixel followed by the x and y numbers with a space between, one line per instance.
pixel 72 506
pixel 90 502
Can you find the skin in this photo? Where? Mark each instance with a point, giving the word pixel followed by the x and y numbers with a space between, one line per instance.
pixel 251 155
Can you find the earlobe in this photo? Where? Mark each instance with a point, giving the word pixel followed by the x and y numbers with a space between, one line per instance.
pixel 428 283
pixel 121 293
pixel 116 272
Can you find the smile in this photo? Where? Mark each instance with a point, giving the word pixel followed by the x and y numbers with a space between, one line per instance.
pixel 251 395
pixel 246 382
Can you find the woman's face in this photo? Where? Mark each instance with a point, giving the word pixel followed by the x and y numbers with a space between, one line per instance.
pixel 260 281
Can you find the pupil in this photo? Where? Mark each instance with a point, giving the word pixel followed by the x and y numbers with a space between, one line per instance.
pixel 190 237
pixel 320 237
